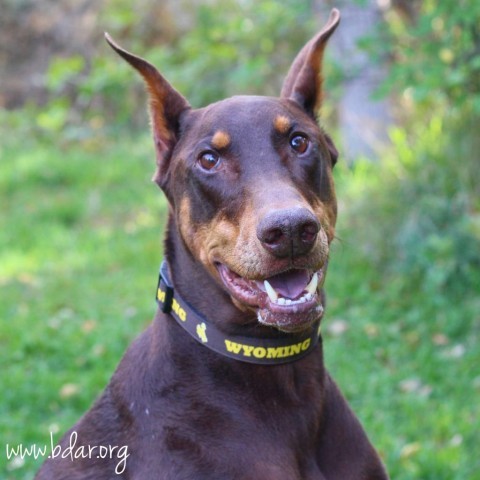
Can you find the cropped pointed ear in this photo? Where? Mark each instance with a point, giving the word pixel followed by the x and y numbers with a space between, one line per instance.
pixel 303 83
pixel 166 107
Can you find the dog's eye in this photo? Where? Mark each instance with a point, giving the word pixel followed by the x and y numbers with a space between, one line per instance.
pixel 299 143
pixel 208 160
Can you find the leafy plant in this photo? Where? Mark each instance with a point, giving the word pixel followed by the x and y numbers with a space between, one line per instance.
pixel 422 207
pixel 435 54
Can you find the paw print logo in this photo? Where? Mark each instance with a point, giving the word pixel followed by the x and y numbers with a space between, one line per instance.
pixel 202 332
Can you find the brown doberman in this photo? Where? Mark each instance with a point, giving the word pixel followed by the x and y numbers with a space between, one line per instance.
pixel 228 382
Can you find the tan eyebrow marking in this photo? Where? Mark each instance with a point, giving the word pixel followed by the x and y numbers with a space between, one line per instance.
pixel 282 124
pixel 220 140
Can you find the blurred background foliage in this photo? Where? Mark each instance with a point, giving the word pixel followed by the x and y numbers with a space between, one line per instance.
pixel 433 54
pixel 405 280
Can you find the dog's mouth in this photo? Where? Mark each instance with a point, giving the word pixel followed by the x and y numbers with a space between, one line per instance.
pixel 289 301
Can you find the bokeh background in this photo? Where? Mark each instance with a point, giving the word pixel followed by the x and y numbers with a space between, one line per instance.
pixel 81 222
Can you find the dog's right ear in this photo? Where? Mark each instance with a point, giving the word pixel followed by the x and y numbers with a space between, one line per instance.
pixel 166 106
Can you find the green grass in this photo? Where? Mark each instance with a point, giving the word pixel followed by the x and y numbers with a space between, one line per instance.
pixel 80 238
pixel 80 244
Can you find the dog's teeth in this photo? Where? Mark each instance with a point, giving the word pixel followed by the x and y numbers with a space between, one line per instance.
pixel 272 294
pixel 312 286
pixel 308 296
pixel 288 301
pixel 281 301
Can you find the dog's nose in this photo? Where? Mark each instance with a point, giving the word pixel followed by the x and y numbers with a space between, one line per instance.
pixel 289 232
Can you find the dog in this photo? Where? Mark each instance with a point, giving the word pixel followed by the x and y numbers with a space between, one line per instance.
pixel 228 382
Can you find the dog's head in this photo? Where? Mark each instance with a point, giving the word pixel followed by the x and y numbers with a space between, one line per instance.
pixel 249 180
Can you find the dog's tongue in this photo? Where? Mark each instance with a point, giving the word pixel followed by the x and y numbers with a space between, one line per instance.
pixel 290 284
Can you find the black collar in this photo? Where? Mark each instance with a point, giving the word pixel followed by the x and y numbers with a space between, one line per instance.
pixel 264 351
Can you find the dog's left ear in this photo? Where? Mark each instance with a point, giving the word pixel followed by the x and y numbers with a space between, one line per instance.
pixel 166 107
pixel 303 83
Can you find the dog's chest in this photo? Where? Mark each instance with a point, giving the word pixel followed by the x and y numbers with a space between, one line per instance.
pixel 234 440
pixel 240 459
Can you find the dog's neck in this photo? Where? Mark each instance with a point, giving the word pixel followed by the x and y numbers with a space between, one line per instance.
pixel 199 289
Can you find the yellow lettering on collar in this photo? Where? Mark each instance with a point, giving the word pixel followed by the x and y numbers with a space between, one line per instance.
pixel 202 332
pixel 259 352
pixel 179 310
pixel 295 349
pixel 276 352
pixel 233 347
pixel 161 295
pixel 247 350
pixel 306 344
pixel 270 352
